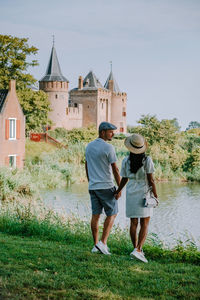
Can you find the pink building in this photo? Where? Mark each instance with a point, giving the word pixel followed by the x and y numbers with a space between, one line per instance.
pixel 12 129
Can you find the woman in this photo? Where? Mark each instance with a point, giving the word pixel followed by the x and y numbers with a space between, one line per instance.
pixel 137 169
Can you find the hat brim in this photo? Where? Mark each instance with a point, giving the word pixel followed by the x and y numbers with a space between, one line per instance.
pixel 133 149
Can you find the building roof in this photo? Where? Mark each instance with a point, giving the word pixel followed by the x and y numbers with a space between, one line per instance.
pixel 91 82
pixel 3 95
pixel 115 85
pixel 53 72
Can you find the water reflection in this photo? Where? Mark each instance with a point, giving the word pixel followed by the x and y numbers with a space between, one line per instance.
pixel 177 216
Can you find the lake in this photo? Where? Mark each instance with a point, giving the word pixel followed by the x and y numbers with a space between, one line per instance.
pixel 176 218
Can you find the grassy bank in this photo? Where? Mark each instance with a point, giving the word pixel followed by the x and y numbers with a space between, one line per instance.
pixel 43 256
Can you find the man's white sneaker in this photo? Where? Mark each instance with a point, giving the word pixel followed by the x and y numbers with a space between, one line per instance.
pixel 102 248
pixel 94 250
pixel 139 255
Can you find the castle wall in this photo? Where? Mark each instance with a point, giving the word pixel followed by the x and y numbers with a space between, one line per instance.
pixel 88 99
pixel 118 111
pixel 74 117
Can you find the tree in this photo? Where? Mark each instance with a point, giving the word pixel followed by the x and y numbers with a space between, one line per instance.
pixel 13 61
pixel 156 131
pixel 193 125
pixel 14 52
pixel 35 106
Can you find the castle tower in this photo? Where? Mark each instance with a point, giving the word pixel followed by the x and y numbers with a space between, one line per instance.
pixel 56 86
pixel 118 103
pixel 96 100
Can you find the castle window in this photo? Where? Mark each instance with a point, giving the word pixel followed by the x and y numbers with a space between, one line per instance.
pixel 88 106
pixel 56 96
pixel 102 105
pixel 75 105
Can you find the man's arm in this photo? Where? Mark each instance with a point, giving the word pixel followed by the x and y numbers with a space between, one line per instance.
pixel 116 174
pixel 86 170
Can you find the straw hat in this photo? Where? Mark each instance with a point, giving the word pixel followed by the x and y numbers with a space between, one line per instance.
pixel 136 143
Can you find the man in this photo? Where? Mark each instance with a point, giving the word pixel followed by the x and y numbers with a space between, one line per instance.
pixel 100 164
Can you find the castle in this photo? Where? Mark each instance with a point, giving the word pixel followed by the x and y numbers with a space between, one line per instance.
pixel 89 103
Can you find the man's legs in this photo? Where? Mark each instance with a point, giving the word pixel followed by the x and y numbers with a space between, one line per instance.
pixel 95 228
pixel 103 199
pixel 133 231
pixel 108 223
pixel 144 223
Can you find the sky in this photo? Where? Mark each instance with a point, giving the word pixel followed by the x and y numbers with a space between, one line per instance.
pixel 154 46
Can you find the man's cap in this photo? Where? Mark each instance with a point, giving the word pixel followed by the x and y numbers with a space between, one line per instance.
pixel 106 126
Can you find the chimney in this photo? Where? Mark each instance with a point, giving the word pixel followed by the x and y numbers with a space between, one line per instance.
pixel 111 85
pixel 80 83
pixel 12 85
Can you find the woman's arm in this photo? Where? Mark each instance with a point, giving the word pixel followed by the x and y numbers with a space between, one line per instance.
pixel 123 182
pixel 151 183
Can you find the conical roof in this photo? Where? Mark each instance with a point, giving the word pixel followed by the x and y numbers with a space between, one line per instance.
pixel 91 82
pixel 53 72
pixel 115 85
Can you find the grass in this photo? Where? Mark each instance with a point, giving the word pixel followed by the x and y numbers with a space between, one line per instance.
pixel 44 256
pixel 31 268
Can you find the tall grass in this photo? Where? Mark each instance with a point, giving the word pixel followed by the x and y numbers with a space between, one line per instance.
pixel 15 184
pixel 47 167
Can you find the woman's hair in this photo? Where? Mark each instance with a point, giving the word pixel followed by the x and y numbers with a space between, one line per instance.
pixel 136 161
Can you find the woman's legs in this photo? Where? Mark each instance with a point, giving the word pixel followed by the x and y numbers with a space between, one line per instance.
pixel 144 223
pixel 133 231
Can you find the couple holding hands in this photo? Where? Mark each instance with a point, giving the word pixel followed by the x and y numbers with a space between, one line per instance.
pixel 136 171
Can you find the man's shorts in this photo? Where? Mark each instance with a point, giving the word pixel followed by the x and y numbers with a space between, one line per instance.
pixel 104 199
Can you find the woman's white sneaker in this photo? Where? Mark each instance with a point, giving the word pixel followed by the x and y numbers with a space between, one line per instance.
pixel 139 255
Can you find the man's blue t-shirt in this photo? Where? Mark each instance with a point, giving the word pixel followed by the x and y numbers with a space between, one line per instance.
pixel 99 156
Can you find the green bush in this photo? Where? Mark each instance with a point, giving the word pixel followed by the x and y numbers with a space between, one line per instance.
pixel 75 135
